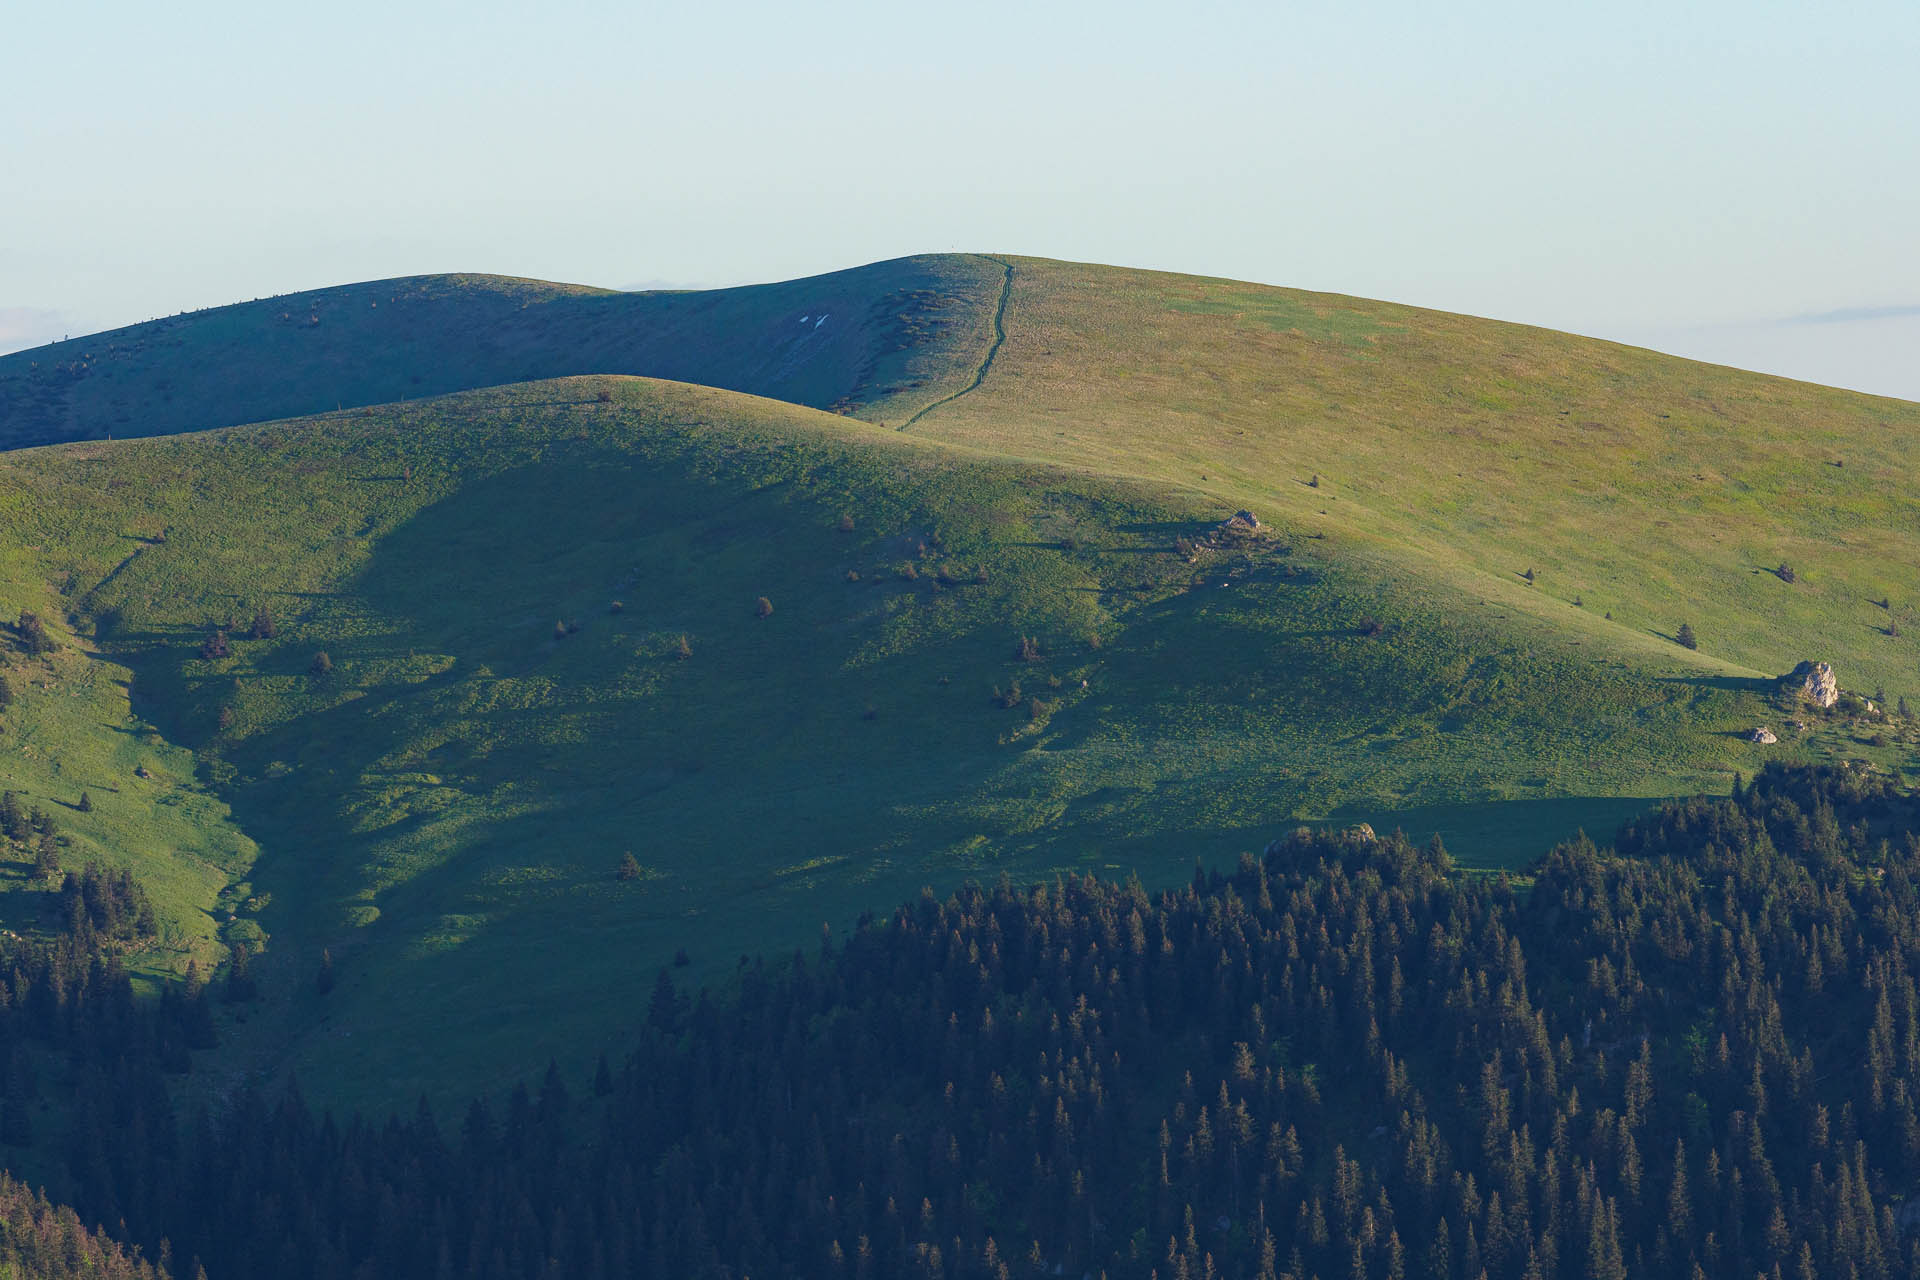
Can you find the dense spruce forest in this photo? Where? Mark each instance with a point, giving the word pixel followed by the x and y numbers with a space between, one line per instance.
pixel 1696 1054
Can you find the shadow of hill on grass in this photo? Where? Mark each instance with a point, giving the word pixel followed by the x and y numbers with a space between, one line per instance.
pixel 445 808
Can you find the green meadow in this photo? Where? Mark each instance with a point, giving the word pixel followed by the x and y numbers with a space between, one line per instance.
pixel 801 664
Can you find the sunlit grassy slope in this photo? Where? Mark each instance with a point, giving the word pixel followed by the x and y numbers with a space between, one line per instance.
pixel 1655 489
pixel 1027 443
pixel 447 808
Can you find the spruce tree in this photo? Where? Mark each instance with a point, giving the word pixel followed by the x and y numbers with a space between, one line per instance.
pixel 663 1010
pixel 602 1078
pixel 1685 637
pixel 240 984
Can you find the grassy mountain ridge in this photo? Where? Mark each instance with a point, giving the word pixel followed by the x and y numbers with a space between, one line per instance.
pixel 1653 489
pixel 447 806
pixel 1003 630
pixel 1656 489
pixel 851 336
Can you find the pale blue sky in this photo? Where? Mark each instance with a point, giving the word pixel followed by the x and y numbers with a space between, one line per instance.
pixel 1703 178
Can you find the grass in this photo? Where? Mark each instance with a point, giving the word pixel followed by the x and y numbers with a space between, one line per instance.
pixel 829 340
pixel 1650 488
pixel 446 809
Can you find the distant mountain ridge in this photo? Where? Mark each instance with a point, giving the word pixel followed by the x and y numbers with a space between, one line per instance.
pixel 824 342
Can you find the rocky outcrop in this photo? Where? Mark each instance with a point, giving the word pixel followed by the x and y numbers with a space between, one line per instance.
pixel 1815 682
pixel 1763 735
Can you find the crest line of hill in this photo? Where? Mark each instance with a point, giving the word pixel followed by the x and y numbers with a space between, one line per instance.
pixel 999 337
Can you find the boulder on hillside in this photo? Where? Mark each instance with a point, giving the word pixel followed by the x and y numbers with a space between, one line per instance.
pixel 1762 735
pixel 1815 682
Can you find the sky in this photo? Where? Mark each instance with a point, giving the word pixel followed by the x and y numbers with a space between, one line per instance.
pixel 1738 182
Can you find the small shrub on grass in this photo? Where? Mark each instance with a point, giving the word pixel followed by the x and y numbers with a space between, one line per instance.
pixel 629 868
pixel 6 693
pixel 1372 627
pixel 763 608
pixel 263 628
pixel 1008 698
pixel 603 396
pixel 1027 650
pixel 1685 637
pixel 683 649
pixel 216 646
pixel 33 634
pixel 321 667
pixel 323 980
pixel 1785 572
pixel 853 575
pixel 907 571
pixel 618 606
pixel 846 524
pixel 980 575
pixel 86 803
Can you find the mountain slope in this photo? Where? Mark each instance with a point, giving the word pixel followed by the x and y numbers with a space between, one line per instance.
pixel 1654 489
pixel 446 808
pixel 907 327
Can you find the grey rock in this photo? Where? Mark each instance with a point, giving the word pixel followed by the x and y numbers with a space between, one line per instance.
pixel 1815 682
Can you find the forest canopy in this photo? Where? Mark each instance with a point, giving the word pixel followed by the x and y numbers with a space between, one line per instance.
pixel 1694 1053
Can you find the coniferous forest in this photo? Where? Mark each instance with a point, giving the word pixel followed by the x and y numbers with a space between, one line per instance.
pixel 1696 1053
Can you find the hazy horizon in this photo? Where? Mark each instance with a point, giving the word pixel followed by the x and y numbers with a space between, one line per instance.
pixel 1725 183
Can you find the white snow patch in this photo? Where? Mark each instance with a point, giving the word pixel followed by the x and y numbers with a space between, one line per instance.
pixel 817 323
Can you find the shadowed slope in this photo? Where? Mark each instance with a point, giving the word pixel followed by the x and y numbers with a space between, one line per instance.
pixel 446 807
pixel 1654 489
pixel 903 328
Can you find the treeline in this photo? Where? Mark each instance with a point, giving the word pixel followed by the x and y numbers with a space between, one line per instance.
pixel 39 1241
pixel 1697 1056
